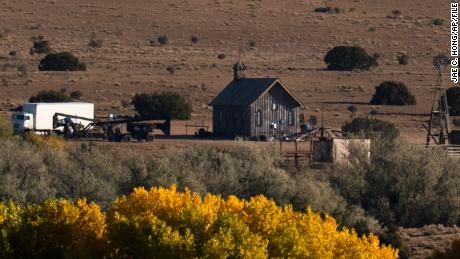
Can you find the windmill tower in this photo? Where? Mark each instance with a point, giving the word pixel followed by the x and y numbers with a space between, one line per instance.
pixel 439 124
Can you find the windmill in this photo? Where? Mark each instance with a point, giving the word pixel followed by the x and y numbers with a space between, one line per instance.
pixel 439 124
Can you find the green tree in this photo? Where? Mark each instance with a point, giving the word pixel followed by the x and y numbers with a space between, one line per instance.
pixel 371 128
pixel 162 104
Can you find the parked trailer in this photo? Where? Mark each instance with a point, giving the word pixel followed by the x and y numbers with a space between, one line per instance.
pixel 140 128
pixel 38 117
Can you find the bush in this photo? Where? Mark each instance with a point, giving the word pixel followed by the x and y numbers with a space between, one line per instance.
pixel 352 109
pixel 171 69
pixel 325 9
pixel 63 61
pixel 328 9
pixel 6 129
pixel 50 96
pixel 40 46
pixel 438 22
pixel 403 59
pixel 395 14
pixel 162 104
pixel 76 94
pixel 393 93
pixel 402 185
pixel 163 39
pixel 95 43
pixel 40 141
pixel 453 99
pixel 345 58
pixel 221 56
pixel 194 39
pixel 58 173
pixel 371 128
pixel 393 239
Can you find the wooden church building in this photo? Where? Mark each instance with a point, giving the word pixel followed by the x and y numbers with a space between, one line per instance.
pixel 257 108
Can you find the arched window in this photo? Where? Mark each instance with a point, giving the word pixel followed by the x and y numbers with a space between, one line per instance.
pixel 259 118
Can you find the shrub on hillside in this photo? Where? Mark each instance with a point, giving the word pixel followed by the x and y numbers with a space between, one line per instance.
pixel 403 59
pixel 99 175
pixel 162 104
pixel 40 46
pixel 347 58
pixel 163 39
pixel 76 94
pixel 371 128
pixel 51 141
pixel 393 93
pixel 50 96
pixel 453 99
pixel 95 43
pixel 62 61
pixel 438 21
pixel 194 39
pixel 402 185
pixel 328 9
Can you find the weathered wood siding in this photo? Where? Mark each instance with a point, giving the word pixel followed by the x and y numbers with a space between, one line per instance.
pixel 285 104
pixel 231 120
pixel 241 120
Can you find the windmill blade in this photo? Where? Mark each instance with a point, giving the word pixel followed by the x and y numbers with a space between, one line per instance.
pixel 440 62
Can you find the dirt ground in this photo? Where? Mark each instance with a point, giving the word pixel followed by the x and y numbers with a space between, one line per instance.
pixel 423 241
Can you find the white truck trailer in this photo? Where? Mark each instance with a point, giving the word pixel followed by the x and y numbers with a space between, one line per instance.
pixel 38 117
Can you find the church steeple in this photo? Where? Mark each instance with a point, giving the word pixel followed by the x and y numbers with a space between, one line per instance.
pixel 238 70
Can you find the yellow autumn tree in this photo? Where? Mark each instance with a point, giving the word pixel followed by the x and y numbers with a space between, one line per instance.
pixel 54 229
pixel 165 223
pixel 219 228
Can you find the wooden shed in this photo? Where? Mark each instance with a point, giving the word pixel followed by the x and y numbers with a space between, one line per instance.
pixel 255 108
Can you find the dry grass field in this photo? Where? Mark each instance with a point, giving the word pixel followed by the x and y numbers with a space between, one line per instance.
pixel 422 241
pixel 285 39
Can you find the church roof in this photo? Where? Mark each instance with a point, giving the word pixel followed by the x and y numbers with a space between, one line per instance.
pixel 245 91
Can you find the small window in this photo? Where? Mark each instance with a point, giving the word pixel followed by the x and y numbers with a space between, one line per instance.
pixel 221 118
pixel 259 118
pixel 275 106
pixel 290 118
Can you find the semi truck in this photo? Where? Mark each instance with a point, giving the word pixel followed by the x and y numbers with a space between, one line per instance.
pixel 38 117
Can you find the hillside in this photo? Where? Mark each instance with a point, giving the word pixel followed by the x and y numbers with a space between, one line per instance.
pixel 286 40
